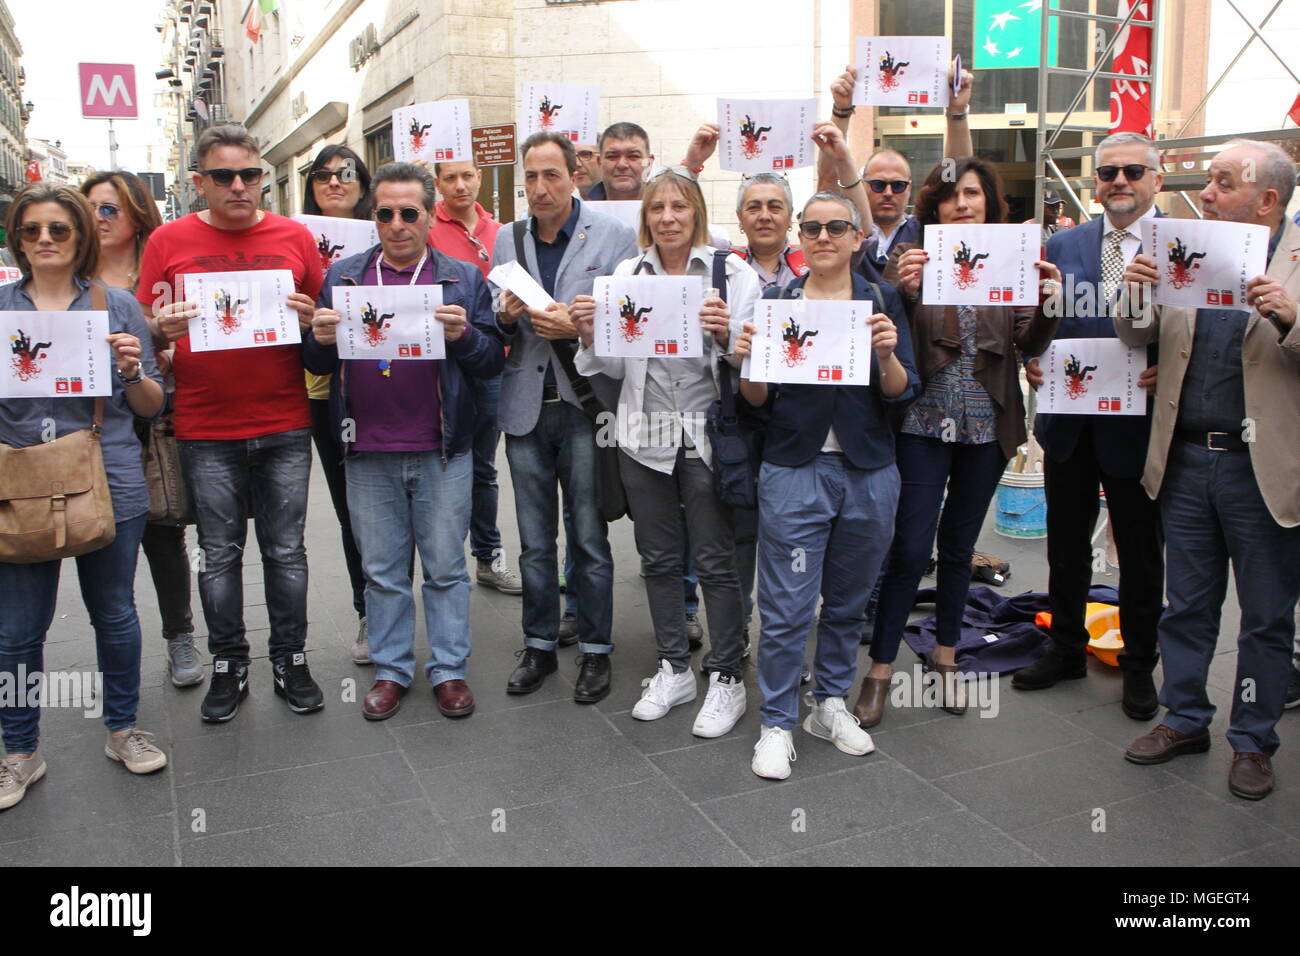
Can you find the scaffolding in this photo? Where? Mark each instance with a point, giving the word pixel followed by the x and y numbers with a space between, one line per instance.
pixel 1046 165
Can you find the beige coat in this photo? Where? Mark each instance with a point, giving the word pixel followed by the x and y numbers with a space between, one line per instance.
pixel 1271 377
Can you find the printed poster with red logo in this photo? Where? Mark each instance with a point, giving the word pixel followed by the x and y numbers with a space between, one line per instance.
pixel 981 264
pixel 389 322
pixel 56 355
pixel 337 238
pixel 811 342
pixel 1204 263
pixel 565 108
pixel 902 71
pixel 1092 377
pixel 434 132
pixel 648 316
pixel 241 310
pixel 766 136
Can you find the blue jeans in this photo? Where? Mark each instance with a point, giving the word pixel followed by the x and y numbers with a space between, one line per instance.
pixel 107 579
pixel 823 527
pixel 570 594
pixel 561 448
pixel 926 466
pixel 223 477
pixel 484 535
pixel 400 498
pixel 1213 515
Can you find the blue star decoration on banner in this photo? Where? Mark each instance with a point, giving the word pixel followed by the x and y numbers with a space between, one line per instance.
pixel 1010 33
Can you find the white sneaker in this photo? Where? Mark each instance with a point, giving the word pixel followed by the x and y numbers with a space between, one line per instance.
pixel 773 754
pixel 724 704
pixel 664 691
pixel 830 720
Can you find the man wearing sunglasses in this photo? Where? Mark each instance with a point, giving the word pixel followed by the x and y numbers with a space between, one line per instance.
pixel 1088 452
pixel 463 229
pixel 242 419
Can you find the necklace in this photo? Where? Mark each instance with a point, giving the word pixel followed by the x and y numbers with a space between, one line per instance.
pixel 385 365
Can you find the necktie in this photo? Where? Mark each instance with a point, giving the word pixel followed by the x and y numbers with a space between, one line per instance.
pixel 1112 267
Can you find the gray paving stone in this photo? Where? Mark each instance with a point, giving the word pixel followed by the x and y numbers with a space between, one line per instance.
pixel 1282 853
pixel 144 842
pixel 104 793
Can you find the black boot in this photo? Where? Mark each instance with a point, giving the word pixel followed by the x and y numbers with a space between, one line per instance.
pixel 1049 669
pixel 533 667
pixel 593 679
pixel 1139 700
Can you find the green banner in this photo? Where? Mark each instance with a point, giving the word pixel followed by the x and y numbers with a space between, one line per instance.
pixel 1007 34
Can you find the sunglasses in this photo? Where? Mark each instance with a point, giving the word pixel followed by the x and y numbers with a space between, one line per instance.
pixel 59 231
pixel 1132 172
pixel 681 171
pixel 895 186
pixel 251 175
pixel 385 214
pixel 106 210
pixel 346 174
pixel 811 228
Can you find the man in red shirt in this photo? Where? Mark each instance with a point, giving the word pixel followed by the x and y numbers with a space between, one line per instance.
pixel 463 229
pixel 241 417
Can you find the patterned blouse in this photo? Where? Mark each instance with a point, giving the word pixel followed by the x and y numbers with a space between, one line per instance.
pixel 954 396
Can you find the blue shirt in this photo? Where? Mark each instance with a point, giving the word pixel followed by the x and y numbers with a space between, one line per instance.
pixel 549 256
pixel 1214 396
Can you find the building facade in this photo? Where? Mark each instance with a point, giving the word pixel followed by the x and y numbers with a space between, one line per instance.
pixel 13 114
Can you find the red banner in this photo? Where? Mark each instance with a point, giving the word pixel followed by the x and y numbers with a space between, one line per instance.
pixel 33 171
pixel 1130 103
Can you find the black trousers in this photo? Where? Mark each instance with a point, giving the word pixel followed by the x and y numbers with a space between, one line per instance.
pixel 330 452
pixel 1072 507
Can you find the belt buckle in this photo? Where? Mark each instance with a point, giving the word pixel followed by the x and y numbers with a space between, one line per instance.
pixel 1209 440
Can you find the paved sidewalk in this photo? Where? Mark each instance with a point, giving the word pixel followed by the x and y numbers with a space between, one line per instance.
pixel 539 779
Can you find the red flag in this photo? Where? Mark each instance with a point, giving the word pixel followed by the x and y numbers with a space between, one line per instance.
pixel 1130 103
pixel 1294 112
pixel 33 171
pixel 252 22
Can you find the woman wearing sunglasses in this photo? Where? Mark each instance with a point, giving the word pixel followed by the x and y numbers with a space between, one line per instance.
pixel 57 248
pixel 338 185
pixel 826 497
pixel 968 421
pixel 126 214
pixel 666 457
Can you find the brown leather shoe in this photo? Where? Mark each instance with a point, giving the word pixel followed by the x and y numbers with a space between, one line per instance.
pixel 1164 743
pixel 454 698
pixel 384 700
pixel 1251 776
pixel 953 690
pixel 870 708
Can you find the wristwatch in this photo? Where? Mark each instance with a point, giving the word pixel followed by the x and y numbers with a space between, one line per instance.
pixel 956 115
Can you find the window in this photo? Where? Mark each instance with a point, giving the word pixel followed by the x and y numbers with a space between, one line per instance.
pixel 379 146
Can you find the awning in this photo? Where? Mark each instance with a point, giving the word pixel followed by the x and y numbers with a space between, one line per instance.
pixel 324 121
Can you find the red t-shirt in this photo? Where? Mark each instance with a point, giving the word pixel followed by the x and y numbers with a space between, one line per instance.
pixel 236 393
pixel 450 237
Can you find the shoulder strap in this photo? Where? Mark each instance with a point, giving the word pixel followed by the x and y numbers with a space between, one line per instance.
pixel 519 227
pixel 639 266
pixel 720 272
pixel 877 297
pixel 98 303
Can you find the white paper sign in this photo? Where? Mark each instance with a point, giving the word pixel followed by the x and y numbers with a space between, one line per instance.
pixel 1092 377
pixel 626 211
pixel 10 274
pixel 986 264
pixel 389 322
pixel 649 316
pixel 241 310
pixel 814 342
pixel 339 238
pixel 434 132
pixel 513 277
pixel 1205 264
pixel 764 136
pixel 902 71
pixel 56 354
pixel 565 108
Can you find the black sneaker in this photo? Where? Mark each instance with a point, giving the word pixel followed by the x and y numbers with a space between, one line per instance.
pixel 293 682
pixel 229 685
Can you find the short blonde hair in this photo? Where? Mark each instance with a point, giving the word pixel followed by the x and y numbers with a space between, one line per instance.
pixel 690 191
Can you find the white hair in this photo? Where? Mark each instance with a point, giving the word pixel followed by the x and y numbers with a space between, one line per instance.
pixel 1124 139
pixel 1274 170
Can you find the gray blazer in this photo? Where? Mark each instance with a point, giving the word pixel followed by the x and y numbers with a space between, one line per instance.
pixel 599 244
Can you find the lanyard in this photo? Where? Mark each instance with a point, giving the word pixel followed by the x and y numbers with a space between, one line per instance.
pixel 385 366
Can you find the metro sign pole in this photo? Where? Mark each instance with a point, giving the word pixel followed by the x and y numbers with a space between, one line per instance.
pixel 108 92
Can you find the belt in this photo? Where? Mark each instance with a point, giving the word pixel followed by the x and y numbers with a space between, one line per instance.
pixel 1214 441
pixel 550 393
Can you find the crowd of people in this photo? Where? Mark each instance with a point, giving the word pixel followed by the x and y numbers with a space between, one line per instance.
pixel 854 484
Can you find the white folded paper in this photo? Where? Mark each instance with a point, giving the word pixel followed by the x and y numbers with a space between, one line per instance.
pixel 1092 377
pixel 984 264
pixel 902 71
pixel 811 342
pixel 565 108
pixel 339 238
pixel 389 322
pixel 649 316
pixel 1204 263
pixel 241 310
pixel 512 277
pixel 765 136
pixel 435 132
pixel 56 354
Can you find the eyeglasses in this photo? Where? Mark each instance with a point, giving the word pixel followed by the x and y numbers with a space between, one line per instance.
pixel 811 228
pixel 106 210
pixel 346 174
pixel 681 171
pixel 586 155
pixel 1132 172
pixel 59 231
pixel 385 214
pixel 895 186
pixel 250 175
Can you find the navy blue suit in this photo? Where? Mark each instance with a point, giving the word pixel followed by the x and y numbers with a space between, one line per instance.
pixel 1082 452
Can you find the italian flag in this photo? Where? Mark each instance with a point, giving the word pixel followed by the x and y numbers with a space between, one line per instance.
pixel 253 17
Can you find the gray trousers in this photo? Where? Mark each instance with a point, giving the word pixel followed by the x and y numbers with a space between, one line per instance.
pixel 656 501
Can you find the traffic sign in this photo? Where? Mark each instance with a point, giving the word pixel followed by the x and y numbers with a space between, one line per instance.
pixel 494 145
pixel 108 91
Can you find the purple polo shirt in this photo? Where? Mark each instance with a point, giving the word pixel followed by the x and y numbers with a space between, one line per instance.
pixel 399 411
